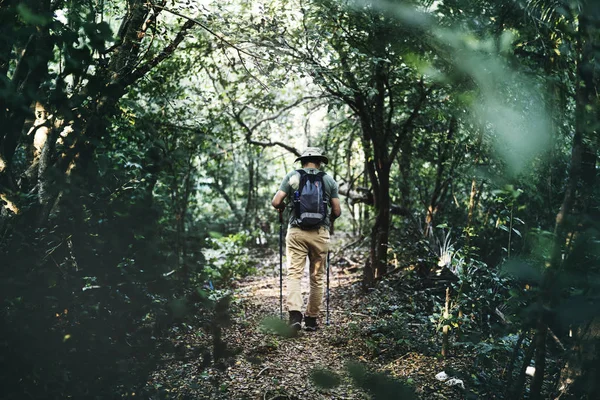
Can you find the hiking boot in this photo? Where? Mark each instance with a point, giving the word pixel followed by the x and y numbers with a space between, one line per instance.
pixel 310 323
pixel 295 321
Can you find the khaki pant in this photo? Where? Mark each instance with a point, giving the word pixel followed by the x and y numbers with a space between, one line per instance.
pixel 300 244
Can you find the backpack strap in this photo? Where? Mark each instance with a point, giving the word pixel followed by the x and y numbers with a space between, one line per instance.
pixel 303 172
pixel 322 175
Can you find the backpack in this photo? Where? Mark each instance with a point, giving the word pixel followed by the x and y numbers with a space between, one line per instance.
pixel 309 200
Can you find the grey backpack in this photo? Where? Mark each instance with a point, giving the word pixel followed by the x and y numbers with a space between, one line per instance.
pixel 310 207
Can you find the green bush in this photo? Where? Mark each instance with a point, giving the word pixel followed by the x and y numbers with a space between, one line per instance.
pixel 229 258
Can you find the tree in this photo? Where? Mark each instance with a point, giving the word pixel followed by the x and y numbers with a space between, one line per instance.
pixel 77 209
pixel 361 66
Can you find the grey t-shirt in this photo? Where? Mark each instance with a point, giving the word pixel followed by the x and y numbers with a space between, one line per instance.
pixel 291 182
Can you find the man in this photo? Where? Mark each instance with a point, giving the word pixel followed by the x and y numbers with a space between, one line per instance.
pixel 307 242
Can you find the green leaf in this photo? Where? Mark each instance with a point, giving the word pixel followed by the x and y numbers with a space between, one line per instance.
pixel 324 378
pixel 522 271
pixel 379 385
pixel 31 18
pixel 178 308
pixel 276 326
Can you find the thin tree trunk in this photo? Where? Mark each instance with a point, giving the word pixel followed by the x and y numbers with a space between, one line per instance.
pixel 250 194
pixel 470 211
pixel 513 359
pixel 377 265
pixel 580 377
pixel 441 185
pixel 182 213
pixel 540 360
pixel 446 328
pixel 405 158
pixel 516 392
pixel 46 183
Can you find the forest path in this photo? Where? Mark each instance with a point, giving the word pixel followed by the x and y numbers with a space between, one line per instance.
pixel 262 365
pixel 279 367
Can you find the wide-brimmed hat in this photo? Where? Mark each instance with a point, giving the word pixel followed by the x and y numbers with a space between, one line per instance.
pixel 313 152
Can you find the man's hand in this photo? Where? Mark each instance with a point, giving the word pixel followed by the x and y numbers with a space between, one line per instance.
pixel 278 203
pixel 280 210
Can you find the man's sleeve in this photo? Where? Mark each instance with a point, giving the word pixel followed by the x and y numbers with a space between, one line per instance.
pixel 285 184
pixel 334 190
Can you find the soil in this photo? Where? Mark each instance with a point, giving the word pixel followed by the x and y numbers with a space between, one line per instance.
pixel 376 332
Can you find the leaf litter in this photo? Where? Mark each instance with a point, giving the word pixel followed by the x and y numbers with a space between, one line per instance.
pixel 263 363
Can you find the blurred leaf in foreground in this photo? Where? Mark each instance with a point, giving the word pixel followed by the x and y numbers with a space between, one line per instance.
pixel 522 271
pixel 324 378
pixel 276 326
pixel 379 385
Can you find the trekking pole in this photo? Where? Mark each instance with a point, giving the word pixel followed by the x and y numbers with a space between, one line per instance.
pixel 327 320
pixel 280 264
pixel 331 231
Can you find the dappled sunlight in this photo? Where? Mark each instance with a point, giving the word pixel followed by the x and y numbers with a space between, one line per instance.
pixel 142 206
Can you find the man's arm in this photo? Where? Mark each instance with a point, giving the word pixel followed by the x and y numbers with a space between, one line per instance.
pixel 336 208
pixel 336 211
pixel 277 201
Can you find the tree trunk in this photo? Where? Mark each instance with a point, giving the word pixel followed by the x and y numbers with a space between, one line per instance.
pixel 516 392
pixel 580 377
pixel 446 328
pixel 513 359
pixel 30 71
pixel 182 202
pixel 540 360
pixel 381 229
pixel 405 158
pixel 248 211
pixel 441 185
pixel 470 212
pixel 46 183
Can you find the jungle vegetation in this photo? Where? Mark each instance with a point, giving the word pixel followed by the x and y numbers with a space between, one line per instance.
pixel 141 142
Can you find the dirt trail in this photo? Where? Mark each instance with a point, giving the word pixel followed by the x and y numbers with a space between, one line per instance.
pixel 266 366
pixel 282 367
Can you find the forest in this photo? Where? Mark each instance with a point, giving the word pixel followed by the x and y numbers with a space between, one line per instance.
pixel 142 142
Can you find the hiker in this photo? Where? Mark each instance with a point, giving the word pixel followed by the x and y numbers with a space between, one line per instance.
pixel 304 241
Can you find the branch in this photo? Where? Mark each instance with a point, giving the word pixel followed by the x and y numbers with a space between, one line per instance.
pixel 215 185
pixel 250 129
pixel 164 54
pixel 409 121
pixel 207 29
pixel 365 196
pixel 250 73
pixel 281 111
pixel 331 82
pixel 289 148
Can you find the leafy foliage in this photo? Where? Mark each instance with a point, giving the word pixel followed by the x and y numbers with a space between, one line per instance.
pixel 229 258
pixel 142 142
